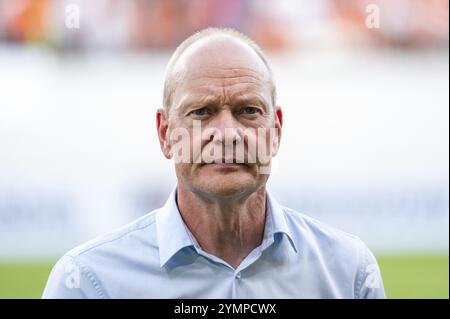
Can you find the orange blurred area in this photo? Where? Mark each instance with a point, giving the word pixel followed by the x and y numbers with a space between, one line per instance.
pixel 275 25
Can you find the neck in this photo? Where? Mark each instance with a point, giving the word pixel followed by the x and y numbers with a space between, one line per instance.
pixel 227 228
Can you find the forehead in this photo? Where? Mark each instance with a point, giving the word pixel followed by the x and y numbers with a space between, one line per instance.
pixel 220 66
pixel 219 51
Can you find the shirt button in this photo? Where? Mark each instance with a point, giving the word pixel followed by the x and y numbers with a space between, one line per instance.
pixel 238 275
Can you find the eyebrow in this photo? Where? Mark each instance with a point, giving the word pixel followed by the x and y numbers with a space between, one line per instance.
pixel 251 99
pixel 208 100
pixel 189 101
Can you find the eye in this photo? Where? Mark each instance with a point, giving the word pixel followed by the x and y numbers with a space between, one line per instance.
pixel 250 110
pixel 199 112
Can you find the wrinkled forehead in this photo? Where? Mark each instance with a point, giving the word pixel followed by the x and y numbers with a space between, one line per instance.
pixel 220 61
pixel 219 57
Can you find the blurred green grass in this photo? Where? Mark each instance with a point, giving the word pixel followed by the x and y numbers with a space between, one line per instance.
pixel 403 276
pixel 24 279
pixel 415 276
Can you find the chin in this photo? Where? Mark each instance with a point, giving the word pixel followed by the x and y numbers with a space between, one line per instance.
pixel 218 181
pixel 226 186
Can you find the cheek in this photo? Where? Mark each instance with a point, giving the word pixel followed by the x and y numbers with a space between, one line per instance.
pixel 180 140
pixel 260 144
pixel 184 171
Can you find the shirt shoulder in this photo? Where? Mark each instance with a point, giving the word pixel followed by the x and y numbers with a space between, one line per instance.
pixel 343 255
pixel 319 231
pixel 139 229
pixel 88 270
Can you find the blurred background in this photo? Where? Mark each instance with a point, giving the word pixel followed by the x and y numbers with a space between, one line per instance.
pixel 365 90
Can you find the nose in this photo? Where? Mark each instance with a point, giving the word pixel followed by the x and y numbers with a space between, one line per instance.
pixel 226 128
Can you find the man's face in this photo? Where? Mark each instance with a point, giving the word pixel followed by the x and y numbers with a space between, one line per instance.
pixel 223 87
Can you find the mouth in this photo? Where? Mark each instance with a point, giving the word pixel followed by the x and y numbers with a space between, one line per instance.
pixel 225 167
pixel 227 161
pixel 223 164
pixel 226 164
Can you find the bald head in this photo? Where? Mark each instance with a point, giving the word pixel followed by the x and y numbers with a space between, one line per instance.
pixel 211 51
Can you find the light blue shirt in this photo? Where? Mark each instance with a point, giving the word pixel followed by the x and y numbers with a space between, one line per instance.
pixel 157 256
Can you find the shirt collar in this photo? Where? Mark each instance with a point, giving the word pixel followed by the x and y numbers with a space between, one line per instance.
pixel 276 221
pixel 173 234
pixel 171 230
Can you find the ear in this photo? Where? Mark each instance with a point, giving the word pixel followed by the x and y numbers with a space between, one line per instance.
pixel 162 126
pixel 278 126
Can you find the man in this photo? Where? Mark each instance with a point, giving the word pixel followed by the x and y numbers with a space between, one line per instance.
pixel 220 234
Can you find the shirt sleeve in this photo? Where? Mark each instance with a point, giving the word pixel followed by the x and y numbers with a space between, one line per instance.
pixel 369 284
pixel 70 279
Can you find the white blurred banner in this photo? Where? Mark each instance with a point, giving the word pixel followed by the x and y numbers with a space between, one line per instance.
pixel 365 145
